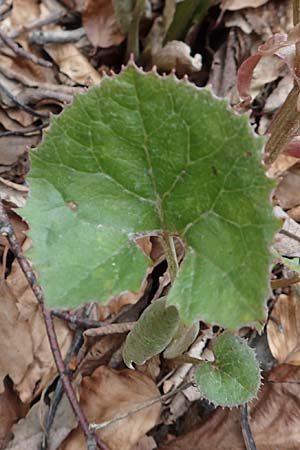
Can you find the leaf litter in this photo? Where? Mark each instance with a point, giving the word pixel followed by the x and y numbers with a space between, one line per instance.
pixel 79 64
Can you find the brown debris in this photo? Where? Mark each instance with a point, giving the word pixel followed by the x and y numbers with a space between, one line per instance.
pixel 100 23
pixel 108 393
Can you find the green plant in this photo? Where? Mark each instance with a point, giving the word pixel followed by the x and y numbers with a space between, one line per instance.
pixel 141 154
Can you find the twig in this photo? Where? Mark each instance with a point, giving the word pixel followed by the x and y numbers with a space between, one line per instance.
pixel 24 132
pixel 296 20
pixel 59 390
pixel 246 430
pixel 56 37
pixel 4 8
pixel 6 229
pixel 23 53
pixel 153 401
pixel 290 235
pixel 95 328
pixel 114 328
pixel 22 105
pixel 284 282
pixel 78 321
pixel 52 18
pixel 31 82
pixel 34 95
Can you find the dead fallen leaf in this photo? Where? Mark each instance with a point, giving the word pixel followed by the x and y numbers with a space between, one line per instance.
pixel 11 409
pixel 106 394
pixel 283 330
pixel 177 55
pixel 294 213
pixel 287 191
pixel 233 5
pixel 22 329
pixel 281 164
pixel 274 420
pixel 28 432
pixel 72 63
pixel 12 193
pixel 145 443
pixel 100 22
pixel 20 227
pixel 286 245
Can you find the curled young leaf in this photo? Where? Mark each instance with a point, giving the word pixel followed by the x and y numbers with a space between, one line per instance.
pixel 152 333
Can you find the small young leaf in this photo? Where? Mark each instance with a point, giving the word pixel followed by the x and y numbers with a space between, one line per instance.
pixel 152 333
pixel 234 377
pixel 182 341
pixel 142 154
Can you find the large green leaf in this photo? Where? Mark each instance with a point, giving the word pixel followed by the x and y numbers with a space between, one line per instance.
pixel 137 155
pixel 234 377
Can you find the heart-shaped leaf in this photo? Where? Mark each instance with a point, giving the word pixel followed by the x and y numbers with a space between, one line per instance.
pixel 234 377
pixel 143 154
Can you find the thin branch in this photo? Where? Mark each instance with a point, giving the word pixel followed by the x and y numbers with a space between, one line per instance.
pixel 56 37
pixel 23 53
pixel 25 131
pixel 6 229
pixel 59 389
pixel 78 321
pixel 114 328
pixel 296 19
pixel 153 401
pixel 22 105
pixel 290 235
pixel 246 430
pixel 51 18
pixel 284 282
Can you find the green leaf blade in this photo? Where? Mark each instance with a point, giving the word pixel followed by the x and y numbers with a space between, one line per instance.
pixel 234 378
pixel 144 154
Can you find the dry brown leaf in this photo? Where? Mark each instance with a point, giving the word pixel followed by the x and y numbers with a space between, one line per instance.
pixel 234 5
pixel 11 409
pixel 24 11
pixel 146 443
pixel 288 190
pixel 283 329
pixel 100 23
pixel 274 420
pixel 294 213
pixel 281 164
pixel 99 352
pixel 20 227
pixel 29 431
pixel 12 193
pixel 286 245
pixel 22 329
pixel 72 63
pixel 108 393
pixel 177 55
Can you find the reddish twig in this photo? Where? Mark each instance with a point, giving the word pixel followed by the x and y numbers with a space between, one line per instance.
pixel 6 229
pixel 78 321
pixel 59 389
pixel 23 53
